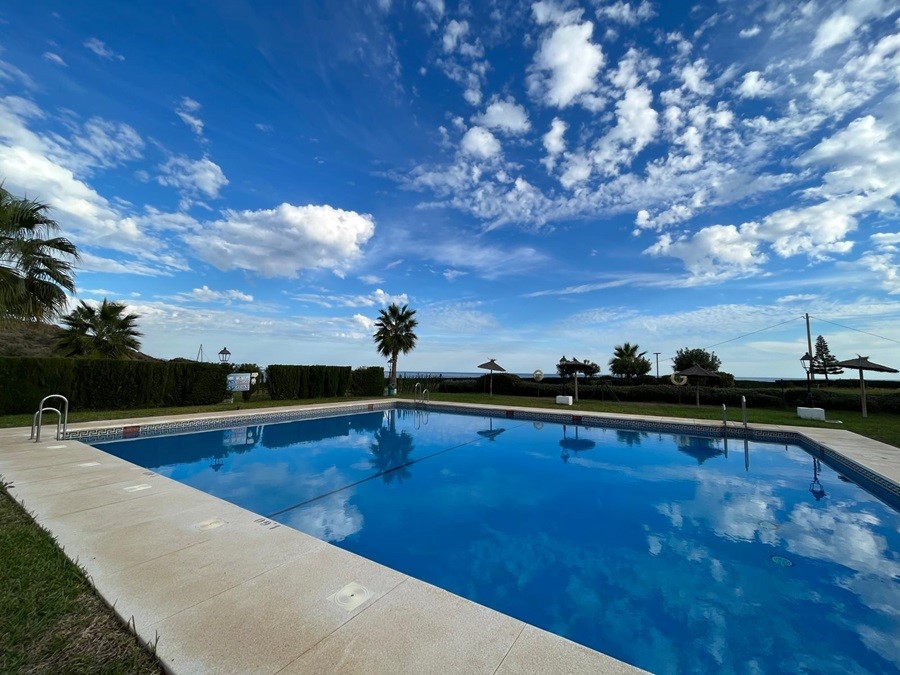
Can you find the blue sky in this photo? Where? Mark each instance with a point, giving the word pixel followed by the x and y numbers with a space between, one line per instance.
pixel 535 179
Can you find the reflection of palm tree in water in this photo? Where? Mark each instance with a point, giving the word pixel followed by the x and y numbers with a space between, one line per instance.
pixel 390 452
pixel 630 438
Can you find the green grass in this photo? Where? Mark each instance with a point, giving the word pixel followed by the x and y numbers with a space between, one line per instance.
pixel 51 620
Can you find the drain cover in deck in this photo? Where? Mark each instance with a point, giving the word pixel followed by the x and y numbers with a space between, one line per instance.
pixel 351 596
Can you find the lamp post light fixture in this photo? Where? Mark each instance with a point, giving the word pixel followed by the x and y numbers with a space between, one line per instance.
pixel 224 355
pixel 807 363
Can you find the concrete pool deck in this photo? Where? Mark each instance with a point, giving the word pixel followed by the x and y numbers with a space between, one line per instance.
pixel 220 589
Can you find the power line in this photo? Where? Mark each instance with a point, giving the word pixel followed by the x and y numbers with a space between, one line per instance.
pixel 834 323
pixel 754 332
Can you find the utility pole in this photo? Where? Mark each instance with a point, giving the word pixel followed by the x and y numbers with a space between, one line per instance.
pixel 812 373
pixel 657 363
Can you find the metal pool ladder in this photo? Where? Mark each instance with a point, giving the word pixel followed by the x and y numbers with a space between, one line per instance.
pixel 61 423
pixel 420 395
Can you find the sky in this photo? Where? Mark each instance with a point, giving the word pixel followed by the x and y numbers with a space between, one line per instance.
pixel 534 179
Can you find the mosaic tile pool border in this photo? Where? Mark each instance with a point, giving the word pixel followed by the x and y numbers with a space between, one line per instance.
pixel 879 485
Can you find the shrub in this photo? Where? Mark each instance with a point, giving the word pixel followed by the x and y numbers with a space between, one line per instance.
pixel 103 384
pixel 299 382
pixel 367 381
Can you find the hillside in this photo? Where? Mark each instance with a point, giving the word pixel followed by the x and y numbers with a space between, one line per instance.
pixel 21 338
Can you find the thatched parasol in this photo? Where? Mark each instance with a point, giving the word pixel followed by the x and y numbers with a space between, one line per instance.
pixel 698 372
pixel 862 363
pixel 492 365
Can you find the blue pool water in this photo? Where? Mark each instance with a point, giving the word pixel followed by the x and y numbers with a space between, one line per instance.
pixel 671 552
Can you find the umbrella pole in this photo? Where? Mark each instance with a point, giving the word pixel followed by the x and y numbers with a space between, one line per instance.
pixel 698 392
pixel 492 384
pixel 862 389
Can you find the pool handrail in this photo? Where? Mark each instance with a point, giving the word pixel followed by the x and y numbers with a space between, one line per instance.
pixel 62 424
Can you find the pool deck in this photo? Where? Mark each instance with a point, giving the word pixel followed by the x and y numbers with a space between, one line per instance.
pixel 219 589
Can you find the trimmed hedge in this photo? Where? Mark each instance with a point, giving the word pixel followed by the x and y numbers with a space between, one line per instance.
pixel 105 384
pixel 287 383
pixel 367 381
pixel 604 390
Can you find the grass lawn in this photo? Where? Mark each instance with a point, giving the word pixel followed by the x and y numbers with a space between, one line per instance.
pixel 51 621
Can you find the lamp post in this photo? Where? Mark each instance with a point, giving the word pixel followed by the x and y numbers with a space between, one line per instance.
pixel 657 363
pixel 806 362
pixel 224 355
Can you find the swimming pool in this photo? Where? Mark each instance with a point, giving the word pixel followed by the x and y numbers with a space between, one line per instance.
pixel 672 552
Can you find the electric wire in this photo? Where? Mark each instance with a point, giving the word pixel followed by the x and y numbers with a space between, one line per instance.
pixel 834 323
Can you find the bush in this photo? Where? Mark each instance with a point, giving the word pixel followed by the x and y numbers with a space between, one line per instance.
pixel 288 383
pixel 105 384
pixel 367 381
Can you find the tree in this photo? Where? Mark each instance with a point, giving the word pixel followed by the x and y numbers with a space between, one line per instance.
pixel 394 334
pixel 685 358
pixel 36 269
pixel 100 332
pixel 627 362
pixel 824 363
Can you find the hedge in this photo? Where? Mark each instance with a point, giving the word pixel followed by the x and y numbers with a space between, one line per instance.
pixel 105 384
pixel 288 383
pixel 367 381
pixel 604 390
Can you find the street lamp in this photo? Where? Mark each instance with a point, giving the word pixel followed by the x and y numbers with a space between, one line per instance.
pixel 807 362
pixel 224 355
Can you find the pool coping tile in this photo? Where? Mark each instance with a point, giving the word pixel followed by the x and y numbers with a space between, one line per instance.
pixel 118 520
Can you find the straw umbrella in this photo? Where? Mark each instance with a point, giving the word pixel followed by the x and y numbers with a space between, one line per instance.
pixel 862 363
pixel 698 372
pixel 492 365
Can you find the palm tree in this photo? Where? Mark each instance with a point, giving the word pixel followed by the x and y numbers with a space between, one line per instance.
pixel 395 334
pixel 627 362
pixel 100 332
pixel 36 269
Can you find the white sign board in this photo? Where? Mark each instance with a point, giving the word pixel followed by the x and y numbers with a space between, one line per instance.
pixel 239 382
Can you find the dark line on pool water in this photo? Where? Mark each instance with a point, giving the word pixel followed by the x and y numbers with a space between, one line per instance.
pixel 377 475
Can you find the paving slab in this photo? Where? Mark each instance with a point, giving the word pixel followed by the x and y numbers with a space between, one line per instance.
pixel 265 623
pixel 416 628
pixel 537 651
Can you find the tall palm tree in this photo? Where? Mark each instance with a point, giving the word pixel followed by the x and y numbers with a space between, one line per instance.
pixel 627 362
pixel 100 332
pixel 36 269
pixel 395 334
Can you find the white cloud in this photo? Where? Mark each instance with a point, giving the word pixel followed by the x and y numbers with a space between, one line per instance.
pixel 626 13
pixel 566 65
pixel 754 86
pixel 377 297
pixel 454 33
pixel 55 58
pixel 206 294
pixel 712 254
pixel 265 128
pixel 506 116
pixel 109 143
pixel 186 110
pixel 193 176
pixel 283 241
pixel 100 49
pixel 840 26
pixel 636 126
pixel 554 143
pixel 753 31
pixel 480 142
pixel 371 279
